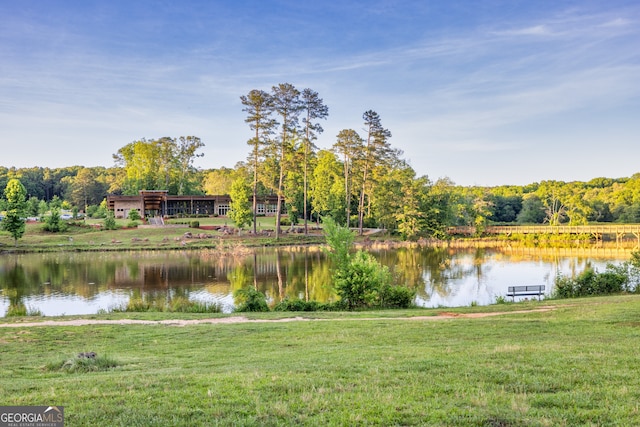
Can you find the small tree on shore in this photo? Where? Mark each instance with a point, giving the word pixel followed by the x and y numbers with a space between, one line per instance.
pixel 110 221
pixel 240 213
pixel 53 223
pixel 14 221
pixel 359 279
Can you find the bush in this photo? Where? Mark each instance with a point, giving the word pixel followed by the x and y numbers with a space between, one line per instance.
pixel 110 221
pixel 297 305
pixel 564 287
pixel 194 224
pixel 608 282
pixel 134 215
pixel 250 299
pixel 53 223
pixel 359 284
pixel 588 283
pixel 284 221
pixel 396 296
pixel 339 239
pixel 360 280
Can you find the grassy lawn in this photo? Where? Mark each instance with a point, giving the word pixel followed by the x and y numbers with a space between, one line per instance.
pixel 89 238
pixel 575 365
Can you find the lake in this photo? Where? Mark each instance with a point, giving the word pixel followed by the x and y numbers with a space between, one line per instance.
pixel 86 283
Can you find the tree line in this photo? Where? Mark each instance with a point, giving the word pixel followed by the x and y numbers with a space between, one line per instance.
pixel 360 181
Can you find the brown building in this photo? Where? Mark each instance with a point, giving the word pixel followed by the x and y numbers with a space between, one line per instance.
pixel 150 203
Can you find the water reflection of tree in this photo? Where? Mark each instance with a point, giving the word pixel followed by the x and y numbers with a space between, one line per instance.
pixel 480 265
pixel 303 272
pixel 16 287
pixel 442 267
pixel 407 267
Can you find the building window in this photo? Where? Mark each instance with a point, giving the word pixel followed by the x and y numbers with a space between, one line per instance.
pixel 260 209
pixel 223 209
pixel 272 209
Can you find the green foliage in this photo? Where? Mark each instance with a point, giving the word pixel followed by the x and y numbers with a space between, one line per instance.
pixel 19 310
pixel 241 213
pixel 55 202
pixel 300 305
pixel 110 221
pixel 33 206
pixel 16 208
pixel 53 223
pixel 134 215
pixel 250 299
pixel 176 304
pixel 360 280
pixel 162 164
pixel 81 364
pixel 340 240
pixel 613 280
pixel 327 187
pixel 194 224
pixel 501 299
pixel 98 211
pixel 396 296
pixel 42 207
pixel 93 211
pixel 285 221
pixel 359 284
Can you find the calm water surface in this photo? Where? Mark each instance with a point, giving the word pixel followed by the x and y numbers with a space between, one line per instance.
pixel 85 283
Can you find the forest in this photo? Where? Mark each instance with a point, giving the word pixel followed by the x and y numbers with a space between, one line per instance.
pixel 361 179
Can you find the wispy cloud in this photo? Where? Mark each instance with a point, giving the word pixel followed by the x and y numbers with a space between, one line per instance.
pixel 536 30
pixel 460 89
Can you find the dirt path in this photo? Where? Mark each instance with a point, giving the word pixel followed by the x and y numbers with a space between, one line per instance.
pixel 241 319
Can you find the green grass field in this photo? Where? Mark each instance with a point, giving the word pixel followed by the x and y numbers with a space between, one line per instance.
pixel 87 237
pixel 574 365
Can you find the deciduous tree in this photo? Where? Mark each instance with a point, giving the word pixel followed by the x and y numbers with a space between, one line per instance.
pixel 185 154
pixel 163 164
pixel 218 181
pixel 326 188
pixel 240 212
pixel 14 221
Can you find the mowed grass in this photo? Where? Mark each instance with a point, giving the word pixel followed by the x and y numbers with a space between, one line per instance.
pixel 575 365
pixel 83 236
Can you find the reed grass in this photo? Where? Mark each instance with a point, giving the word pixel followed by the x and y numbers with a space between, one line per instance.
pixel 177 304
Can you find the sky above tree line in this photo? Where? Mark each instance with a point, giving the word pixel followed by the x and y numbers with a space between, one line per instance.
pixel 485 93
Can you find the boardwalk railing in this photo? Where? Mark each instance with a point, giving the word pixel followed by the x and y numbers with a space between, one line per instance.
pixel 597 231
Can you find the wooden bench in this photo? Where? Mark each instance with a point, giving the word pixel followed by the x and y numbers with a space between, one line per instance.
pixel 523 291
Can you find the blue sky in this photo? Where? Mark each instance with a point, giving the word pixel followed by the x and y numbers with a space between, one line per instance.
pixel 481 92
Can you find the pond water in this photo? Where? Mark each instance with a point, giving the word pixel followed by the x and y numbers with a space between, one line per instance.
pixel 85 283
